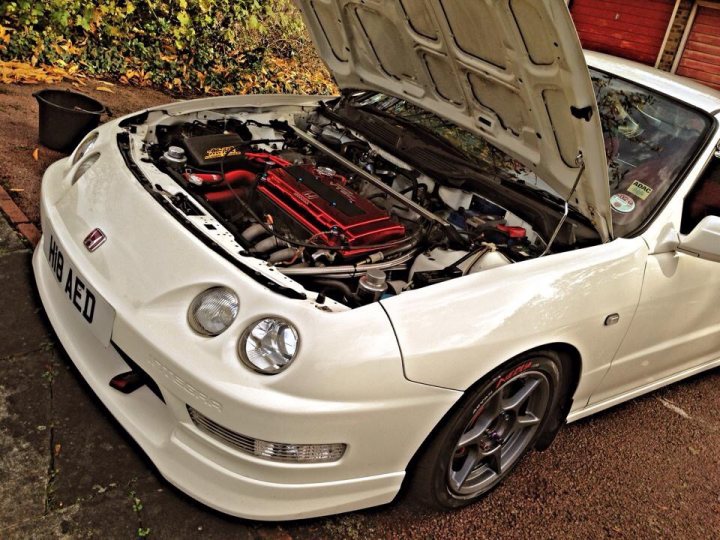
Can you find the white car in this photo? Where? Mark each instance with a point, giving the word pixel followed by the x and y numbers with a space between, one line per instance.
pixel 296 304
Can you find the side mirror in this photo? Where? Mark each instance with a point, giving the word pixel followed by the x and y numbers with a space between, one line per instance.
pixel 704 240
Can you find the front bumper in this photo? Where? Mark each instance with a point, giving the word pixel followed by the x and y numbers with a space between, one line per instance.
pixel 347 386
pixel 186 458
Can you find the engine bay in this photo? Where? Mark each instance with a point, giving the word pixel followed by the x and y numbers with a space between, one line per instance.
pixel 337 213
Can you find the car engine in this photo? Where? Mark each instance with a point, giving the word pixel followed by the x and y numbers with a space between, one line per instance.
pixel 340 215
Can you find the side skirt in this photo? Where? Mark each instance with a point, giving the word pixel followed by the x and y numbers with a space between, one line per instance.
pixel 617 400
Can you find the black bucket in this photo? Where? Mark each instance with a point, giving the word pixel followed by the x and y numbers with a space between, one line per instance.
pixel 66 117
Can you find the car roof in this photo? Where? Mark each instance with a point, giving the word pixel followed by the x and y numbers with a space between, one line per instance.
pixel 680 88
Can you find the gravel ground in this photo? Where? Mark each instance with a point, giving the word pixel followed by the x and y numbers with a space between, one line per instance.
pixel 646 469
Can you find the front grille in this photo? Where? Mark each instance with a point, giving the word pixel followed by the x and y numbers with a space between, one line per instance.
pixel 273 451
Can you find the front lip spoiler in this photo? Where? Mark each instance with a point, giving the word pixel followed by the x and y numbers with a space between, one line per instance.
pixel 123 141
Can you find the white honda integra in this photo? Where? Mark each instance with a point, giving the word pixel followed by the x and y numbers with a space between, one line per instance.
pixel 296 304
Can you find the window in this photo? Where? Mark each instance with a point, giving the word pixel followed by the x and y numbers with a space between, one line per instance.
pixel 649 140
pixel 704 199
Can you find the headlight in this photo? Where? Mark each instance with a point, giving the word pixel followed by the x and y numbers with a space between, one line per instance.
pixel 269 345
pixel 84 147
pixel 84 167
pixel 213 311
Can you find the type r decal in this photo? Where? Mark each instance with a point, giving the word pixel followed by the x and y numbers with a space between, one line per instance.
pixel 514 373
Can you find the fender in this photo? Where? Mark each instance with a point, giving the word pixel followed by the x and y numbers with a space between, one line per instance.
pixel 454 333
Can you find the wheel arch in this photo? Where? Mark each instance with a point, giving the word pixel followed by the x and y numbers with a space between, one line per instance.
pixel 572 362
pixel 572 371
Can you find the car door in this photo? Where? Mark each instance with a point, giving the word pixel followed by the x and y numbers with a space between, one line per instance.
pixel 677 324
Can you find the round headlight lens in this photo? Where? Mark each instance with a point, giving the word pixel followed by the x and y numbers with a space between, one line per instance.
pixel 84 147
pixel 269 345
pixel 213 311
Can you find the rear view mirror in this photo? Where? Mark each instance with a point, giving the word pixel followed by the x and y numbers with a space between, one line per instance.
pixel 704 240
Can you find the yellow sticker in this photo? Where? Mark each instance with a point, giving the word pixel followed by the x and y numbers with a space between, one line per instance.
pixel 640 190
pixel 222 152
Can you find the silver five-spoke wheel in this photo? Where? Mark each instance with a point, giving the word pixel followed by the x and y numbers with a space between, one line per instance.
pixel 485 435
pixel 498 433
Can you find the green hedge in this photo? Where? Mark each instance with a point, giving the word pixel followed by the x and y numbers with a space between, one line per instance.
pixel 189 46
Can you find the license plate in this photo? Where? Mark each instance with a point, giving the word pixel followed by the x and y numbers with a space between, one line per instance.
pixel 89 306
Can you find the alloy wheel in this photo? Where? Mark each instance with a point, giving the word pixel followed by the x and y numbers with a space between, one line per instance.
pixel 498 433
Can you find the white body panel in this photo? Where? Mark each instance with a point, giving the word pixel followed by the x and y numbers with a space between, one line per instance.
pixel 377 378
pixel 677 325
pixel 454 333
pixel 149 270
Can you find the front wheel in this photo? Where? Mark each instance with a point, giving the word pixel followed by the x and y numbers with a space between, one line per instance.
pixel 491 429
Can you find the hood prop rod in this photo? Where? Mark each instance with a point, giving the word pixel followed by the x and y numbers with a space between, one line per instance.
pixel 369 177
pixel 580 161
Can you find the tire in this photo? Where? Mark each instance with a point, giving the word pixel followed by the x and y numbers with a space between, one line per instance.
pixel 485 436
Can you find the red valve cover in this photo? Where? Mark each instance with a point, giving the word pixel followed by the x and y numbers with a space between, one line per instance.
pixel 319 200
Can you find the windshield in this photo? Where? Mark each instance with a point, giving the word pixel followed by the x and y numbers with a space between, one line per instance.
pixel 649 140
pixel 477 150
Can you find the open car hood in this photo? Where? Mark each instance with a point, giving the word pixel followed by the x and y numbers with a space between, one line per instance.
pixel 511 71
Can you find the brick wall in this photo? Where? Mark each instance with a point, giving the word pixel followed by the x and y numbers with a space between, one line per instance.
pixel 676 34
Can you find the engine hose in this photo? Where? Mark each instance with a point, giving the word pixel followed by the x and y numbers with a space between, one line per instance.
pixel 414 187
pixel 388 253
pixel 282 255
pixel 348 270
pixel 338 285
pixel 269 244
pixel 398 268
pixel 253 232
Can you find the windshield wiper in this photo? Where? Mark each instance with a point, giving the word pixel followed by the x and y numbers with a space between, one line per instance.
pixel 420 130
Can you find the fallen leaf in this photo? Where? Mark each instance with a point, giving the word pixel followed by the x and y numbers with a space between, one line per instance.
pixel 107 83
pixel 105 89
pixel 36 154
pixel 57 449
pixel 17 190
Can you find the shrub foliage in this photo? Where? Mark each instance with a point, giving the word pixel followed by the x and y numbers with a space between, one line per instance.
pixel 187 46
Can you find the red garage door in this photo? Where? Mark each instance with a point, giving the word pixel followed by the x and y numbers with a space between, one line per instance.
pixel 632 29
pixel 701 57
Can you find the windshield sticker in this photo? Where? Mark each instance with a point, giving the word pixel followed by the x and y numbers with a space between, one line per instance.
pixel 640 190
pixel 622 203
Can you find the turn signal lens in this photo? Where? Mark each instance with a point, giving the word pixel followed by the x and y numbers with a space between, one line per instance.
pixel 273 451
pixel 213 311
